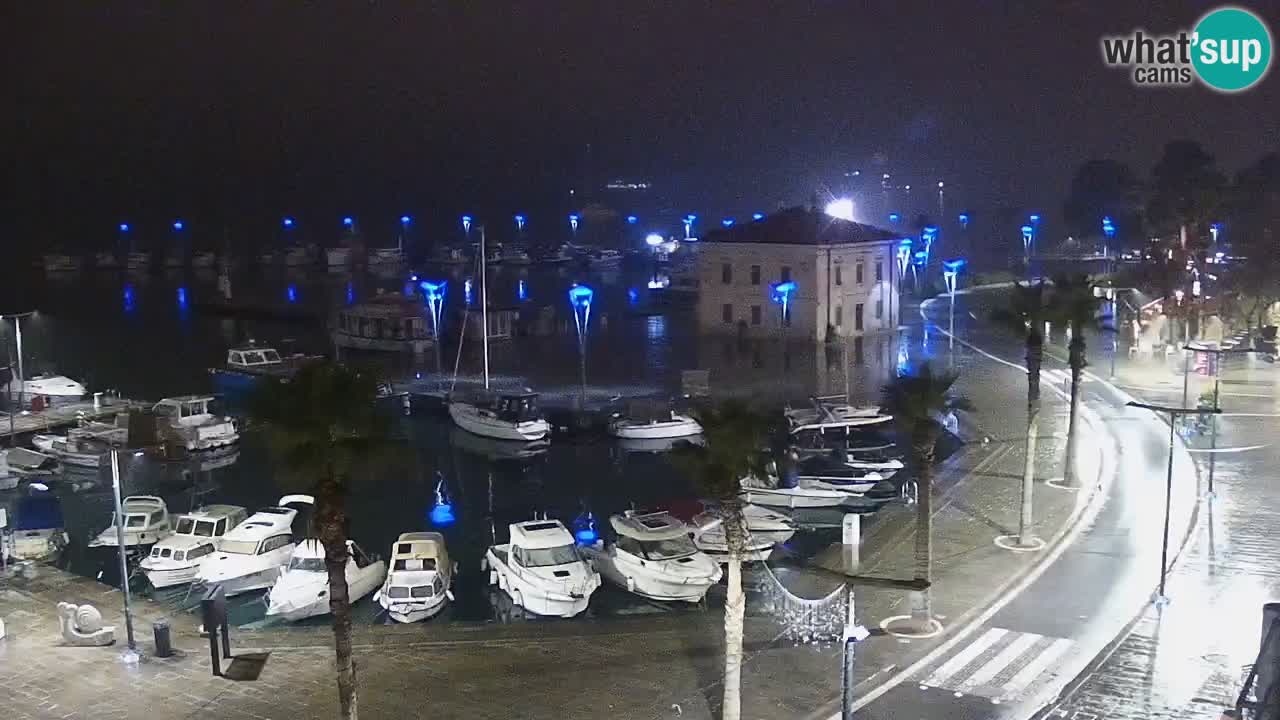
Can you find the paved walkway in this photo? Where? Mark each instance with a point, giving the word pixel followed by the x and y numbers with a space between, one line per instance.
pixel 653 666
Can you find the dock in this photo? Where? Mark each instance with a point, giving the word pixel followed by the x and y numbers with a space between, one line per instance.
pixel 66 415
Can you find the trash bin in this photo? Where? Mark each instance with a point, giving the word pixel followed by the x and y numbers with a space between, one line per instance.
pixel 164 647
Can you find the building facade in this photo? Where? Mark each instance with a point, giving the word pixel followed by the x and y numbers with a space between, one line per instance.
pixel 844 275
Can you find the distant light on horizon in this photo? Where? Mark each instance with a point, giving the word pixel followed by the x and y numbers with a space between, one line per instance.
pixel 177 225
pixel 841 208
pixel 288 222
pixel 757 216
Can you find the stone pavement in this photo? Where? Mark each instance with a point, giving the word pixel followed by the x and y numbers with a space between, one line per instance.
pixel 1186 660
pixel 653 666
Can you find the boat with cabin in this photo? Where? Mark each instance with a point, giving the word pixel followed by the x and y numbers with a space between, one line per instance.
pixel 175 560
pixel 53 390
pixel 541 570
pixel 388 322
pixel 420 580
pixel 776 492
pixel 763 529
pixel 653 556
pixel 146 522
pixel 85 446
pixel 18 464
pixel 302 589
pixel 650 421
pixel 187 420
pixel 248 363
pixel 36 529
pixel 252 554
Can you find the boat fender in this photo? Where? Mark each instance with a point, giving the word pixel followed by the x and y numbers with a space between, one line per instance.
pixel 493 577
pixel 631 584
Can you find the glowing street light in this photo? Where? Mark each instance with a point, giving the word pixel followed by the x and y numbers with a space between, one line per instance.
pixel 1214 229
pixel 1035 219
pixel 904 255
pixel 580 297
pixel 727 222
pixel 1027 233
pixel 348 222
pixel 435 294
pixel 632 219
pixel 688 221
pixel 757 217
pixel 654 240
pixel 574 218
pixel 519 222
pixel 178 226
pixel 841 208
pixel 466 225
pixel 950 272
pixel 894 217
pixel 964 220
pixel 124 227
pixel 286 223
pixel 781 293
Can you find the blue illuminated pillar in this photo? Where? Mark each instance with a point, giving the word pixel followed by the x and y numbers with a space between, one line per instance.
pixel 466 226
pixel 580 297
pixel 951 275
pixel 688 221
pixel 574 219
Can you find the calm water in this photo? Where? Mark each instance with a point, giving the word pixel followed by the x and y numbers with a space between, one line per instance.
pixel 147 337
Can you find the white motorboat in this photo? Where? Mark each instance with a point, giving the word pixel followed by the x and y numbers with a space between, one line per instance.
pixel 386 256
pixel 827 472
pixel 188 420
pixel 302 590
pixel 252 554
pixel 652 556
pixel 176 559
pixel 541 569
pixel 106 260
pixel 659 424
pixel 658 445
pixel 831 415
pixel 146 522
pixel 420 582
pixel 770 492
pixel 36 529
pixel 54 263
pixel 506 416
pixel 337 256
pixel 85 446
pixel 55 389
pixel 764 528
pixel 44 441
pixel 18 464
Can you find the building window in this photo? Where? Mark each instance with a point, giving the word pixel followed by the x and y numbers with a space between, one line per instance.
pixel 726 313
pixel 857 316
pixel 858 357
pixel 879 309
pixel 839 275
pixel 726 273
pixel 879 271
pixel 786 273
pixel 857 274
pixel 839 315
pixel 755 274
pixel 755 314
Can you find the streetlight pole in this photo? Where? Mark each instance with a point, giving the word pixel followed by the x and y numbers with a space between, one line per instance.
pixel 1174 413
pixel 1213 421
pixel 130 655
pixel 21 377
pixel 853 634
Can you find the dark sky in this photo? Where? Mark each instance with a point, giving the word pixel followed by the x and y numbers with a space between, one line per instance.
pixel 239 110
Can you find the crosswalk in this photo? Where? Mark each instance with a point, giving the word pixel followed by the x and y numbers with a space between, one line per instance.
pixel 1058 377
pixel 1001 665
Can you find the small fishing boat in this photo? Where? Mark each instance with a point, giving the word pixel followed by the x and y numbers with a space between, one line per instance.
pixel 36 531
pixel 17 464
pixel 251 555
pixel 774 493
pixel 146 522
pixel 541 570
pixel 658 445
pixel 420 582
pixel 652 556
pixel 86 446
pixel 501 416
pixel 651 422
pixel 175 560
pixel 302 590
pixel 563 254
pixel 189 422
pixel 830 414
pixel 829 472
pixel 251 362
pixel 764 528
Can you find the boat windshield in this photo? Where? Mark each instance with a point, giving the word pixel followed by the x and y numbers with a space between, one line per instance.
pixel 240 547
pixel 189 526
pixel 543 557
pixel 271 356
pixel 135 521
pixel 307 564
pixel 668 549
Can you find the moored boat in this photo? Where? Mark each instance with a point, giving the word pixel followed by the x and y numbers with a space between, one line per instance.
pixel 189 421
pixel 763 529
pixel 652 556
pixel 252 554
pixel 419 583
pixel 541 569
pixel 176 559
pixel 146 522
pixel 302 589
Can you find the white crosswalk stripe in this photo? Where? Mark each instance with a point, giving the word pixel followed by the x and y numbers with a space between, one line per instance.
pixel 1000 664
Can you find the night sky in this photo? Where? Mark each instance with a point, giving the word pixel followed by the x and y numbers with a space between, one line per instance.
pixel 235 112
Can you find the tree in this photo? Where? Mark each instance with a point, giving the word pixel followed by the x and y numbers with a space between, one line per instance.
pixel 320 424
pixel 1186 191
pixel 1074 305
pixel 735 437
pixel 1104 188
pixel 1253 229
pixel 1023 314
pixel 918 401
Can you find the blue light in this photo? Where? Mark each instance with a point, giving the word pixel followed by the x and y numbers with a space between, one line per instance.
pixel 466 291
pixel 922 258
pixel 1035 218
pixel 584 528
pixel 442 509
pixel 580 299
pixel 727 222
pixel 433 290
pixel 954 265
pixel 580 296
pixel 177 225
pixel 894 217
pixel 288 222
pixel 930 232
pixel 964 219
pixel 633 296
pixel 780 294
pixel 291 292
pixel 413 277
pixel 128 298
pixel 466 224
pixel 124 227
pixel 757 216
pixel 691 217
pixel 519 222
pixel 522 290
pixel 1027 231
pixel 348 221
pixel 405 219
pixel 632 219
pixel 351 294
pixel 182 298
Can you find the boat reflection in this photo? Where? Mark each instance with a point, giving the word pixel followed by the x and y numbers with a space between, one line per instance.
pixel 658 445
pixel 495 450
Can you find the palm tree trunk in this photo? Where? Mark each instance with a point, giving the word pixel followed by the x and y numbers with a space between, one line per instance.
pixel 734 611
pixel 922 451
pixel 331 525
pixel 1075 357
pixel 1035 359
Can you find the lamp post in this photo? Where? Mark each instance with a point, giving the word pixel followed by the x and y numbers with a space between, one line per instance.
pixel 1174 413
pixel 21 377
pixel 130 655
pixel 688 221
pixel 435 294
pixel 853 634
pixel 580 297
pixel 780 294
pixel 1028 233
pixel 1217 353
pixel 574 219
pixel 466 227
pixel 917 266
pixel 520 220
pixel 928 235
pixel 951 275
pixel 1214 229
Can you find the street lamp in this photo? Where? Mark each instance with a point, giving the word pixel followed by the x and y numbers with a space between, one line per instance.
pixel 950 275
pixel 349 223
pixel 520 219
pixel 654 240
pixel 894 217
pixel 632 219
pixel 781 293
pixel 1174 413
pixel 1027 233
pixel 688 221
pixel 964 220
pixel 727 222
pixel 573 223
pixel 841 208
pixel 757 217
pixel 1217 354
pixel 21 378
pixel 928 234
pixel 466 226
pixel 1214 229
pixel 130 656
pixel 286 223
pixel 580 297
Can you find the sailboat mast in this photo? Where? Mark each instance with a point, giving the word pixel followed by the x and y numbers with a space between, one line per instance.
pixel 484 309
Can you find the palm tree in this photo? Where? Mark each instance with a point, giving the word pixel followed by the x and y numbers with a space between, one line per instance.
pixel 1074 304
pixel 735 438
pixel 918 401
pixel 1024 314
pixel 320 424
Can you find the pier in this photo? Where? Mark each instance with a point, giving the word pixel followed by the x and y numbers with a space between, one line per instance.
pixel 66 414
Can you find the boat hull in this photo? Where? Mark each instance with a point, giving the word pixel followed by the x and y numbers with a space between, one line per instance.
pixel 655 431
pixel 250 582
pixel 794 497
pixel 161 578
pixel 469 418
pixel 413 612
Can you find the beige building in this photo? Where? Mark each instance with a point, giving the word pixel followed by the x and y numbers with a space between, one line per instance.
pixel 845 277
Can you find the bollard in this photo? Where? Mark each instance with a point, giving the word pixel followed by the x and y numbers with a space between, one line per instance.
pixel 1268 659
pixel 851 537
pixel 97 401
pixel 164 646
